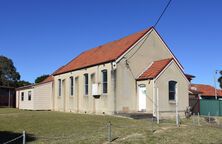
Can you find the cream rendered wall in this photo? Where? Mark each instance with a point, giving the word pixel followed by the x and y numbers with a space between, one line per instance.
pixel 17 99
pixel 152 49
pixel 167 107
pixel 26 104
pixel 80 102
pixel 43 96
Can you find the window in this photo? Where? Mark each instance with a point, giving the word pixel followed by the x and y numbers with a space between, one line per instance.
pixel 29 95
pixel 71 86
pixel 172 90
pixel 60 87
pixel 22 96
pixel 86 84
pixel 93 80
pixel 104 81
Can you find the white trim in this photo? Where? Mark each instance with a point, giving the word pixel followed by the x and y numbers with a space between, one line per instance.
pixel 104 94
pixel 167 68
pixel 142 38
pixel 145 69
pixel 157 105
pixel 154 100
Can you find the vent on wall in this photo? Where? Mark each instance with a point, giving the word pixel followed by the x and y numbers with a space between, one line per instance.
pixel 114 65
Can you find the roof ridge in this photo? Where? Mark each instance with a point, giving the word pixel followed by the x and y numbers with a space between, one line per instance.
pixel 101 53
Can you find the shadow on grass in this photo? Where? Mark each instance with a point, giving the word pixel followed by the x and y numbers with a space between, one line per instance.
pixel 6 136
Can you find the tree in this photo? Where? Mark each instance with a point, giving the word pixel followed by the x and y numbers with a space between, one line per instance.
pixel 8 74
pixel 41 78
pixel 220 79
pixel 22 83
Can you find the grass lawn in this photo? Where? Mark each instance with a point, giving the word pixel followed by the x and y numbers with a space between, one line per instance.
pixel 58 127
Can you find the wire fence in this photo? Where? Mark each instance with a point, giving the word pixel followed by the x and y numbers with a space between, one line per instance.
pixel 23 137
pixel 110 132
pixel 202 120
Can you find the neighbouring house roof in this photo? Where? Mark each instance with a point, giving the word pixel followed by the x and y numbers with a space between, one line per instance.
pixel 205 90
pixel 189 77
pixel 102 54
pixel 155 68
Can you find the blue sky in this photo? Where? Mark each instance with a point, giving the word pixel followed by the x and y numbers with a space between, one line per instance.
pixel 42 35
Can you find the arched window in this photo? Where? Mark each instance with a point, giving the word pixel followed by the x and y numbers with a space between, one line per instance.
pixel 172 90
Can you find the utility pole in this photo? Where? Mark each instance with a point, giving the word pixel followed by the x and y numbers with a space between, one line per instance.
pixel 215 84
pixel 9 98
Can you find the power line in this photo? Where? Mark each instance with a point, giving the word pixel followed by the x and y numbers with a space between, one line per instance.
pixel 158 20
pixel 162 13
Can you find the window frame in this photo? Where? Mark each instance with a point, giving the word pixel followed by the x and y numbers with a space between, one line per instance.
pixel 71 86
pixel 104 82
pixel 59 87
pixel 172 89
pixel 86 84
pixel 29 95
pixel 22 96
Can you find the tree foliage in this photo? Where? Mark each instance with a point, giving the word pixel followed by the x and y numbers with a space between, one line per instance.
pixel 220 79
pixel 8 74
pixel 41 78
pixel 22 83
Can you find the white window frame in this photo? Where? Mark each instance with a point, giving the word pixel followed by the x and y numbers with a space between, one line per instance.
pixel 71 85
pixel 104 82
pixel 59 87
pixel 86 85
pixel 175 90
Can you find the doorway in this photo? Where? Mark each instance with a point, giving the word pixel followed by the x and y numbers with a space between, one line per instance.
pixel 142 97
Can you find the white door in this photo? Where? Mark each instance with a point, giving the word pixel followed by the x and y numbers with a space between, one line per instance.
pixel 142 98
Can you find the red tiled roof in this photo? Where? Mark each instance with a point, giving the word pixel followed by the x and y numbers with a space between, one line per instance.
pixel 102 54
pixel 206 90
pixel 154 69
pixel 48 79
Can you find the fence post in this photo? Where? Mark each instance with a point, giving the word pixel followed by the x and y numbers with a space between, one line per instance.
pixel 209 117
pixel 193 118
pixel 152 123
pixel 23 140
pixel 198 119
pixel 109 131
